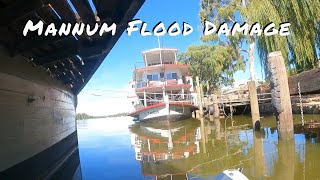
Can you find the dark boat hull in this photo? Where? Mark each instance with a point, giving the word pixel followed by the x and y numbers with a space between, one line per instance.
pixel 37 123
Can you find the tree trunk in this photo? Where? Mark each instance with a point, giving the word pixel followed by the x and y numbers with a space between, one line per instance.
pixel 244 3
pixel 251 61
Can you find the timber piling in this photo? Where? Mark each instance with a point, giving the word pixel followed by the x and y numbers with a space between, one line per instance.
pixel 280 95
pixel 255 114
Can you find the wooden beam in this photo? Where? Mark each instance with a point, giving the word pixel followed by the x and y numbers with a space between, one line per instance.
pixel 72 47
pixel 64 11
pixel 309 82
pixel 18 9
pixel 61 53
pixel 84 10
pixel 105 8
pixel 33 42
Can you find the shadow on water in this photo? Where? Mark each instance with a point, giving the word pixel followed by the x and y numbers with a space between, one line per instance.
pixel 203 149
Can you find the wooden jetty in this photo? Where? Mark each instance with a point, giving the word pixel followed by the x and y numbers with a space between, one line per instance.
pixel 239 97
pixel 278 97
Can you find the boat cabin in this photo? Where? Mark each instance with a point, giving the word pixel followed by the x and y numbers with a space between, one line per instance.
pixel 161 68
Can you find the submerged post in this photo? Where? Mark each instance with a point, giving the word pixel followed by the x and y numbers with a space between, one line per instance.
pixel 255 114
pixel 199 97
pixel 208 95
pixel 280 95
pixel 203 135
pixel 216 111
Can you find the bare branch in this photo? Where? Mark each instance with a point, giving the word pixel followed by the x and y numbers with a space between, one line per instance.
pixel 245 50
pixel 231 19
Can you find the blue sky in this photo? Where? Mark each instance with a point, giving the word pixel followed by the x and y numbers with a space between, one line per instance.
pixel 116 70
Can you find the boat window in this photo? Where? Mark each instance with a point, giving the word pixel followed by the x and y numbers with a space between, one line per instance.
pixel 174 76
pixel 153 77
pixel 149 77
pixel 162 75
pixel 171 76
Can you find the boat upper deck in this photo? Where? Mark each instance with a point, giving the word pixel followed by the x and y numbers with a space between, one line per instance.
pixel 162 70
pixel 160 56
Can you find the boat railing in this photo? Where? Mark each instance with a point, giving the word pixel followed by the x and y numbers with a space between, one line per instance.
pixel 160 83
pixel 157 98
pixel 243 97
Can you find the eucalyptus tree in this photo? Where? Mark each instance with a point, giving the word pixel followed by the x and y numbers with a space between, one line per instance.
pixel 213 63
pixel 229 12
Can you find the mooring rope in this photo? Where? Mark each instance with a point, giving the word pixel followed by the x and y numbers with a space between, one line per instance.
pixel 301 107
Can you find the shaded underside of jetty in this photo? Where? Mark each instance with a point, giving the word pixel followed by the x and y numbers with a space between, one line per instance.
pixel 69 59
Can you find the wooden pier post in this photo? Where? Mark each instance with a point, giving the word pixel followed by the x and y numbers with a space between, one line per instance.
pixel 216 111
pixel 280 95
pixel 255 114
pixel 260 170
pixel 199 97
pixel 208 87
pixel 231 110
pixel 286 159
pixel 203 135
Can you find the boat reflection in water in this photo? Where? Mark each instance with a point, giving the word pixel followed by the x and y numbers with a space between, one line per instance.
pixel 164 149
pixel 203 149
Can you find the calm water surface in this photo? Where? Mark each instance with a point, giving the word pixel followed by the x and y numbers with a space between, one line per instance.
pixel 120 149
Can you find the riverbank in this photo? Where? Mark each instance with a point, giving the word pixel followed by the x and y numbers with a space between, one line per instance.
pixel 83 116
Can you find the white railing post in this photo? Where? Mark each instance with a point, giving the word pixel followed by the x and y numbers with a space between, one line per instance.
pixel 145 98
pixel 182 92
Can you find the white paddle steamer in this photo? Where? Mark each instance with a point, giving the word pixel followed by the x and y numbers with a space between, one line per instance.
pixel 163 88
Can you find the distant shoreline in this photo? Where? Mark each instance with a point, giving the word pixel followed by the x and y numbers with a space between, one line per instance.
pixel 83 116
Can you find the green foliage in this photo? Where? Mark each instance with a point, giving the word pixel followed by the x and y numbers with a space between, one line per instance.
pixel 81 116
pixel 217 58
pixel 213 63
pixel 220 56
pixel 300 48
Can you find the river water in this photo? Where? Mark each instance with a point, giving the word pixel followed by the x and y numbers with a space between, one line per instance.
pixel 118 148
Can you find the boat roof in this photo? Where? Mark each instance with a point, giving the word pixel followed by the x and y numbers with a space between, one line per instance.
pixel 157 50
pixel 152 57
